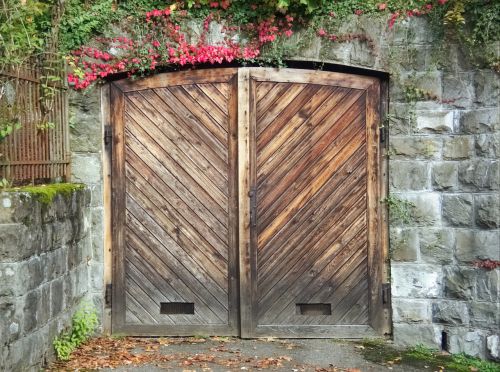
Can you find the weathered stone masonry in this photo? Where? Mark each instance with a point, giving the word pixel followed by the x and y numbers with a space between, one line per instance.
pixel 45 250
pixel 443 158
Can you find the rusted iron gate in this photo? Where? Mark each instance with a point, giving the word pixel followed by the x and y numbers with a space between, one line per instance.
pixel 35 152
pixel 247 202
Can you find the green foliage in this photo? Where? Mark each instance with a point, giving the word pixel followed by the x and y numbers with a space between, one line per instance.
pixel 82 20
pixel 399 210
pixel 23 27
pixel 46 193
pixel 83 326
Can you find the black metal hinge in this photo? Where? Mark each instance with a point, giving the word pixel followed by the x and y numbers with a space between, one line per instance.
pixel 253 206
pixel 108 135
pixel 108 295
pixel 383 134
pixel 386 294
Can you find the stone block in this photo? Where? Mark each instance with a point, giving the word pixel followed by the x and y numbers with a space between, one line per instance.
pixel 399 119
pixel 15 242
pixel 459 282
pixel 56 297
pixel 63 233
pixel 445 176
pixel 31 311
pixel 417 334
pixel 403 244
pixel 408 175
pixel 416 281
pixel 487 210
pixel 458 147
pixel 85 111
pixel 427 210
pixel 480 121
pixel 458 89
pixel 487 88
pixel 457 210
pixel 479 175
pixel 8 273
pixel 463 340
pixel 488 145
pixel 436 245
pixel 493 346
pixel 434 121
pixel 413 148
pixel 55 263
pixel 96 277
pixel 450 312
pixel 86 168
pixel 98 234
pixel 488 285
pixel 411 311
pixel 361 55
pixel 477 245
pixel 485 315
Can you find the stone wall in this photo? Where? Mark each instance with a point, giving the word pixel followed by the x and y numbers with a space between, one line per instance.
pixel 443 159
pixel 44 273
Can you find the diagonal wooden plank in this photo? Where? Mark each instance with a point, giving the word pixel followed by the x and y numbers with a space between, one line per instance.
pixel 266 114
pixel 274 216
pixel 314 209
pixel 262 89
pixel 310 230
pixel 300 128
pixel 320 125
pixel 321 119
pixel 310 249
pixel 139 312
pixel 193 283
pixel 183 171
pixel 183 215
pixel 335 275
pixel 336 136
pixel 157 285
pixel 193 194
pixel 138 291
pixel 224 89
pixel 188 242
pixel 197 111
pixel 300 275
pixel 212 181
pixel 309 94
pixel 215 96
pixel 174 108
pixel 198 150
pixel 197 95
pixel 320 158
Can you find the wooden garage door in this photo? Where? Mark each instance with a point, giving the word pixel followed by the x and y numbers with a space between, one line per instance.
pixel 312 266
pixel 247 202
pixel 174 202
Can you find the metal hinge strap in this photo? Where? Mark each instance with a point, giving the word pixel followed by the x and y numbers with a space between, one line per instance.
pixel 108 135
pixel 108 294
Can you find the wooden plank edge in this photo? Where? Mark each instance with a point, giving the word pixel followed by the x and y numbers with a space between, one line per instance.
pixel 216 75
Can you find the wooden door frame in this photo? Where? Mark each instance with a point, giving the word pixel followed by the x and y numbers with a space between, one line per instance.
pixel 116 190
pixel 381 322
pixel 379 314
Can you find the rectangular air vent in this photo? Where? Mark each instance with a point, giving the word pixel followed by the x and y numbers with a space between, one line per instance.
pixel 171 308
pixel 313 309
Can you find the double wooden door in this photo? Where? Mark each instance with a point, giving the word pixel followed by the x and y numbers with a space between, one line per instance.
pixel 247 202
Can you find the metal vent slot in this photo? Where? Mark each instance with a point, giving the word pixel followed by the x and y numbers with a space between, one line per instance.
pixel 313 309
pixel 171 308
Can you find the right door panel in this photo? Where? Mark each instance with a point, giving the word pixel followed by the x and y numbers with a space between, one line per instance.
pixel 311 219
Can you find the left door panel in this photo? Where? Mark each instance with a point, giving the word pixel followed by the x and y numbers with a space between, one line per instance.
pixel 175 204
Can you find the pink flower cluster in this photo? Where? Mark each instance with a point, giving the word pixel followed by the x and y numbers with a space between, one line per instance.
pixel 165 44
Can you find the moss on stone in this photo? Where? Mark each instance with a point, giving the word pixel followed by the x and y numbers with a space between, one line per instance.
pixel 46 193
pixel 421 357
